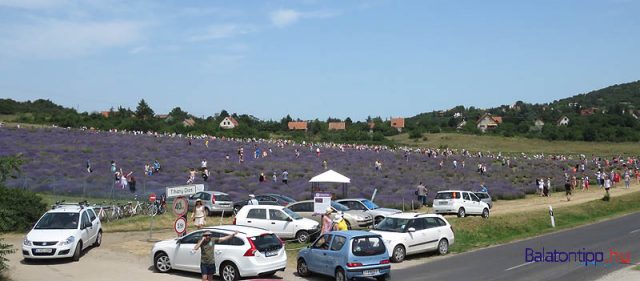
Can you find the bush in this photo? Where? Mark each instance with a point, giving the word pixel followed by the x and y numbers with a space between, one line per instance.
pixel 19 209
pixel 5 249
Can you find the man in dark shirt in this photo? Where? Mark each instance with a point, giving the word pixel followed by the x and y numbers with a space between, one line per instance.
pixel 207 254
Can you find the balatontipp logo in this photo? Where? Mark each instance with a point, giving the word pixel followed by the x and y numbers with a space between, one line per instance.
pixel 582 257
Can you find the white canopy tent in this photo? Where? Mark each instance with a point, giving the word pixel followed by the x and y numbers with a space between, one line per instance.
pixel 330 176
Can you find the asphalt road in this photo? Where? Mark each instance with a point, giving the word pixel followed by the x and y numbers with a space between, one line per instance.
pixel 507 262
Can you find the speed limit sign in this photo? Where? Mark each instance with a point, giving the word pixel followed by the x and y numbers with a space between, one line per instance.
pixel 180 226
pixel 180 206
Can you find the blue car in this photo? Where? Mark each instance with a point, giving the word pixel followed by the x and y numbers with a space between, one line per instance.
pixel 346 255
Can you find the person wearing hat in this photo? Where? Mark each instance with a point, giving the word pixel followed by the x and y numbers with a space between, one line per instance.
pixel 327 222
pixel 207 254
pixel 339 223
pixel 252 200
pixel 199 214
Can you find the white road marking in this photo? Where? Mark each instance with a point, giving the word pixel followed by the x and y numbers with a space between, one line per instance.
pixel 632 232
pixel 518 266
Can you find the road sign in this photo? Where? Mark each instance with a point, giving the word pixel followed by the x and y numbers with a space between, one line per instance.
pixel 183 190
pixel 180 206
pixel 180 225
pixel 152 197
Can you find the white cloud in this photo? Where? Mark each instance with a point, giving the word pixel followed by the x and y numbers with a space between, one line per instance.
pixel 64 39
pixel 220 31
pixel 285 17
pixel 282 18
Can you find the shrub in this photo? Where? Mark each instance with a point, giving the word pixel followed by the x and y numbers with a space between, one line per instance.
pixel 5 249
pixel 19 209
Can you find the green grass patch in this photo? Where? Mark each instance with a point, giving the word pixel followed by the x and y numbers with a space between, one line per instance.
pixel 516 145
pixel 476 232
pixel 637 267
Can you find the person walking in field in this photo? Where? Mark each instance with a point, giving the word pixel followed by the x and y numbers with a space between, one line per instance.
pixel 199 214
pixel 192 176
pixel 627 179
pixel 607 184
pixel 205 174
pixel 567 190
pixel 261 178
pixel 421 192
pixel 585 183
pixel 274 177
pixel 285 177
pixel 207 245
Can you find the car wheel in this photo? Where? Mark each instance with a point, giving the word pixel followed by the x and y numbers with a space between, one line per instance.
pixel 340 276
pixel 77 252
pixel 485 213
pixel 461 213
pixel 98 239
pixel 303 269
pixel 443 247
pixel 162 263
pixel 229 272
pixel 399 253
pixel 302 236
pixel 206 211
pixel 385 277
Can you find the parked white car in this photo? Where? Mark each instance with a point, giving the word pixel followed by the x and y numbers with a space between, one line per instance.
pixel 412 233
pixel 280 220
pixel 368 207
pixel 63 232
pixel 461 203
pixel 252 252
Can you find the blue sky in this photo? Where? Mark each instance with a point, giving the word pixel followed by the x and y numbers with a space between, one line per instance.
pixel 314 59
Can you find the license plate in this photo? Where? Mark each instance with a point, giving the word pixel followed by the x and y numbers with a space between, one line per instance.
pixel 43 250
pixel 444 203
pixel 371 272
pixel 271 253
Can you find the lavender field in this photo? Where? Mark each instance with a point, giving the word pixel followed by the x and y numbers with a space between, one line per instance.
pixel 57 164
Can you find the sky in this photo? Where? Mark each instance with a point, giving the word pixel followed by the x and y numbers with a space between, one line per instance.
pixel 314 59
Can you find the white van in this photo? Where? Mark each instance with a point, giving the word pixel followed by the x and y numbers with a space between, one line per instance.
pixel 285 223
pixel 461 203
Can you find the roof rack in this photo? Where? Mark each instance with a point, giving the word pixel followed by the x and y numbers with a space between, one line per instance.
pixel 63 204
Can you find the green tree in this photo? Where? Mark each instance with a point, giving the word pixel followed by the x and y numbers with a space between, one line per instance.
pixel 143 111
pixel 10 167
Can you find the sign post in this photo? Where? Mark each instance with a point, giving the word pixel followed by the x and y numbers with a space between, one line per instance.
pixel 184 190
pixel 180 226
pixel 553 221
pixel 373 197
pixel 152 200
pixel 181 204
pixel 321 201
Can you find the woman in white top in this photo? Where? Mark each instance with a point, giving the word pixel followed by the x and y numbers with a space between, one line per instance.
pixel 199 214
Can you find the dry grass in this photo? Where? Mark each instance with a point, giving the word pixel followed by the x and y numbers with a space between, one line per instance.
pixel 518 145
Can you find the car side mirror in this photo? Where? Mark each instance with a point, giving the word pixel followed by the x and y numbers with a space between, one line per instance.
pixel 289 219
pixel 411 229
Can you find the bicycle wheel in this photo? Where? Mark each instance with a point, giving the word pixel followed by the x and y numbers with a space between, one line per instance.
pixel 152 210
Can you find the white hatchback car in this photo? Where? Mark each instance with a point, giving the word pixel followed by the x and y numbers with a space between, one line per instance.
pixel 412 233
pixel 252 252
pixel 281 220
pixel 461 203
pixel 63 232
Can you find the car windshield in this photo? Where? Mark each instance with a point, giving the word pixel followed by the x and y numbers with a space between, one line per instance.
pixel 283 198
pixel 370 205
pixel 367 246
pixel 339 207
pixel 292 214
pixel 266 242
pixel 448 195
pixel 392 224
pixel 58 221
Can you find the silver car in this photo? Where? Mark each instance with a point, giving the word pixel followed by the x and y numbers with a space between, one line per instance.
pixel 369 207
pixel 485 197
pixel 213 202
pixel 356 219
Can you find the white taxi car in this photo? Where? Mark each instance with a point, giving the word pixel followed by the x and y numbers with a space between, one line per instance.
pixel 252 252
pixel 412 233
pixel 63 232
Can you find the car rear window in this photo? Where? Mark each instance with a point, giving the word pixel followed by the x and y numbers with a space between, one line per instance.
pixel 448 195
pixel 481 195
pixel 223 198
pixel 266 242
pixel 367 246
